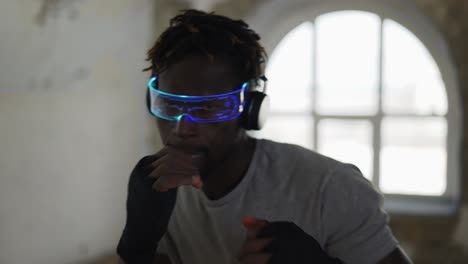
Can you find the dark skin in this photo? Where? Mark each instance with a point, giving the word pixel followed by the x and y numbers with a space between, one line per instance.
pixel 225 148
pixel 213 157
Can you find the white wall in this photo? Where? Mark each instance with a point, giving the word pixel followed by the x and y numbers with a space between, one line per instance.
pixel 72 125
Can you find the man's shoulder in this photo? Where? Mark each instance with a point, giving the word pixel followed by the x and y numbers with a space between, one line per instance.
pixel 294 167
pixel 299 167
pixel 297 157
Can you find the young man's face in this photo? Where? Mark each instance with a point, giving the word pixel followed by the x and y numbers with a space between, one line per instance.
pixel 197 76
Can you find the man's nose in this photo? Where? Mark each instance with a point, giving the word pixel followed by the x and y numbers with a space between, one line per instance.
pixel 185 126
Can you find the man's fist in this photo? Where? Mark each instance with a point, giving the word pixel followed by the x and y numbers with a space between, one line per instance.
pixel 252 251
pixel 148 213
pixel 281 242
pixel 172 168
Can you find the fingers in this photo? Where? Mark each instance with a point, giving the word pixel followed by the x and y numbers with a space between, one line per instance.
pixel 149 167
pixel 249 221
pixel 169 181
pixel 259 258
pixel 197 182
pixel 172 158
pixel 164 151
pixel 251 251
pixel 255 245
pixel 253 226
pixel 171 164
pixel 170 168
pixel 172 172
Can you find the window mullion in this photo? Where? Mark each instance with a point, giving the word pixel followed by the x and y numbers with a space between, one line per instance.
pixel 314 89
pixel 377 122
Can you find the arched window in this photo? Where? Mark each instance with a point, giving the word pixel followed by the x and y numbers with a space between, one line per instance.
pixel 362 88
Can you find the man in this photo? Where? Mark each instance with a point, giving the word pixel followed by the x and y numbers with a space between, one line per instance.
pixel 213 194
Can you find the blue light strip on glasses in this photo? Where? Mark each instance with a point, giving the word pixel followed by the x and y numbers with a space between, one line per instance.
pixel 152 86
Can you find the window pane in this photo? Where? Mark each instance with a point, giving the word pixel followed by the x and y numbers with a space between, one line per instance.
pixel 411 79
pixel 289 71
pixel 289 129
pixel 413 156
pixel 347 63
pixel 347 141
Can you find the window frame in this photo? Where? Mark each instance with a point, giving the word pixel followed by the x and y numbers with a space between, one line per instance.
pixel 274 19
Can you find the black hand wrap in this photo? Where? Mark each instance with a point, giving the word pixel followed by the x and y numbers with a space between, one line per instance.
pixel 148 213
pixel 291 244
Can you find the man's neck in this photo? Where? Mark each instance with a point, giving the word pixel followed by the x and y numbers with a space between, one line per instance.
pixel 223 178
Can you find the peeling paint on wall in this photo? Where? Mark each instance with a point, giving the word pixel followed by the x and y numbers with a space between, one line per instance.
pixel 52 8
pixel 73 124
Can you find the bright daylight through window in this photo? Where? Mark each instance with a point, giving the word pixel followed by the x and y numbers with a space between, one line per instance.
pixel 363 90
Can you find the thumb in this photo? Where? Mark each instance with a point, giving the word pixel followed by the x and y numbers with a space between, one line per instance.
pixel 253 225
pixel 251 222
pixel 197 181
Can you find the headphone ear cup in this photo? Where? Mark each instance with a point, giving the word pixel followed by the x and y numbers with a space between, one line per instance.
pixel 256 110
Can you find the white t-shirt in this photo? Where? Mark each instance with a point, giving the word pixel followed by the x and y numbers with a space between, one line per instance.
pixel 329 200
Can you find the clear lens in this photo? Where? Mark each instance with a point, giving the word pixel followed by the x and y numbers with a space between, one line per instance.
pixel 213 108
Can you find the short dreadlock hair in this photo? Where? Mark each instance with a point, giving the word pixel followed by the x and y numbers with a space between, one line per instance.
pixel 199 33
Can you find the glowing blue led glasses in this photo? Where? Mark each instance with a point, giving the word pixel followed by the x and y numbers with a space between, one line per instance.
pixel 200 109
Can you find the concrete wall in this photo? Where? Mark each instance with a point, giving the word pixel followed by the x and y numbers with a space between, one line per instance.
pixel 72 124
